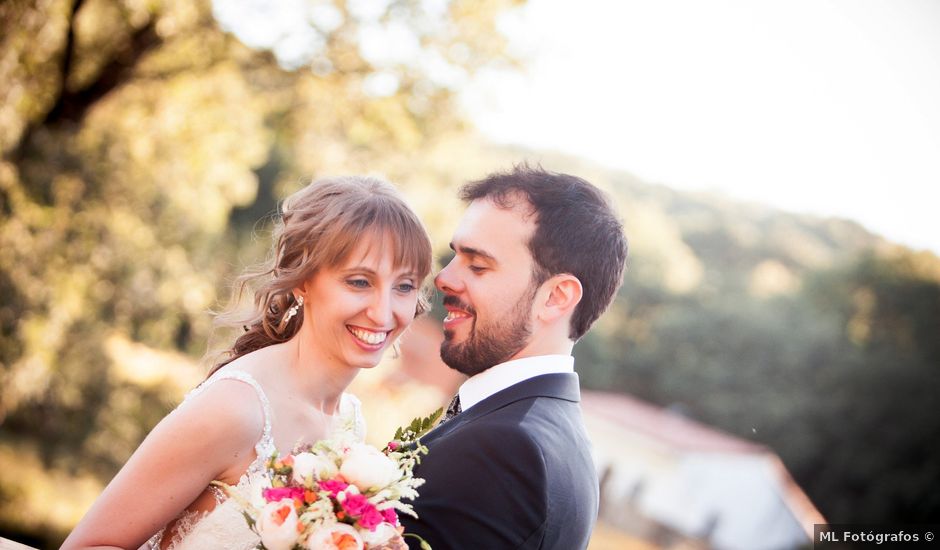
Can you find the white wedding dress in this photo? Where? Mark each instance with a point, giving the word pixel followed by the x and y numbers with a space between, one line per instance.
pixel 224 526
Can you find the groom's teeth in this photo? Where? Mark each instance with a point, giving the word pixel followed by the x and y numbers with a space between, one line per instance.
pixel 451 315
pixel 369 337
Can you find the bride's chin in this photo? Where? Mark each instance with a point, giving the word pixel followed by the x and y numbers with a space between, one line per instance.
pixel 368 363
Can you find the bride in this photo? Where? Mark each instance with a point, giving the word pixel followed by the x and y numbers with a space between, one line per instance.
pixel 342 284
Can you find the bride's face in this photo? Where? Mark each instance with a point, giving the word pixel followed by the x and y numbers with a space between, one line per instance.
pixel 355 310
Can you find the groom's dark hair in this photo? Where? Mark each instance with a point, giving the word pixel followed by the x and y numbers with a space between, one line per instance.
pixel 576 232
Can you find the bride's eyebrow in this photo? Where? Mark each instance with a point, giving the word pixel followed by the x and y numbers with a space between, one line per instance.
pixel 358 270
pixel 363 270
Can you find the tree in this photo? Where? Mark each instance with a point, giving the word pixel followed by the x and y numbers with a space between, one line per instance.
pixel 139 140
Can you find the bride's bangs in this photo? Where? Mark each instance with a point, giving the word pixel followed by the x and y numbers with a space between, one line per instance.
pixel 383 223
pixel 409 241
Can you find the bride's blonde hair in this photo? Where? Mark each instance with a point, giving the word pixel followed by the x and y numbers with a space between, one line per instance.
pixel 318 227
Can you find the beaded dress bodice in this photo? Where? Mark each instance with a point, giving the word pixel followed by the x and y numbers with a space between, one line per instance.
pixel 224 526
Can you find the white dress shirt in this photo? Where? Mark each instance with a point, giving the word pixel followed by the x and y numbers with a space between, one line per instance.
pixel 499 377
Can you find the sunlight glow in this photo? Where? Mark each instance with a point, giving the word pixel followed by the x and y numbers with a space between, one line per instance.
pixel 820 107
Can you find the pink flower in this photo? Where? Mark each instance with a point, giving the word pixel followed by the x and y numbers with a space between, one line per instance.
pixel 333 486
pixel 390 516
pixel 392 445
pixel 276 494
pixel 355 504
pixel 371 518
pixel 363 511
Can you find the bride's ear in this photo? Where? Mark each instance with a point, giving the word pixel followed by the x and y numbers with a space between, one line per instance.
pixel 563 292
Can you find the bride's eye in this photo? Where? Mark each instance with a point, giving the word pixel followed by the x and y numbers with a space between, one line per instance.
pixel 405 288
pixel 357 283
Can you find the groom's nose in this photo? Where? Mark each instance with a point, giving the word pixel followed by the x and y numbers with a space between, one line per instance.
pixel 447 280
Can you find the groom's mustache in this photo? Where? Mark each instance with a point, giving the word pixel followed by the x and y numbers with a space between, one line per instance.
pixel 453 301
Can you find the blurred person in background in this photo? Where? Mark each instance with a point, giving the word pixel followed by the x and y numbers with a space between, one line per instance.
pixel 342 284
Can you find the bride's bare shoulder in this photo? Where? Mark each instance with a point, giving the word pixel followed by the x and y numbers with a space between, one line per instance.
pixel 227 409
pixel 262 364
pixel 239 389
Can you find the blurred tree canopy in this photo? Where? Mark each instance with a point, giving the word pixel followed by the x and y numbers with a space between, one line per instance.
pixel 810 336
pixel 141 143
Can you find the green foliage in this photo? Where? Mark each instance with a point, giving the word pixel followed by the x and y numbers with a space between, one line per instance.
pixel 141 143
pixel 839 377
pixel 417 428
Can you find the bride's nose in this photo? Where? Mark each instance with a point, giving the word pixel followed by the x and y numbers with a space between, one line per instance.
pixel 380 308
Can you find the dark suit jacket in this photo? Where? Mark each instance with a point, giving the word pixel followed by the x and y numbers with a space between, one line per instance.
pixel 512 472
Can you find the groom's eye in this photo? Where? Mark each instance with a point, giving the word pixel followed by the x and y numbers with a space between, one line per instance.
pixel 476 268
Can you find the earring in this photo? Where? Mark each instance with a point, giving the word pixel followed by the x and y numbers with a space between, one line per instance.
pixel 293 310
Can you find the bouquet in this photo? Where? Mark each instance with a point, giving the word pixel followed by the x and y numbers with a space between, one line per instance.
pixel 337 494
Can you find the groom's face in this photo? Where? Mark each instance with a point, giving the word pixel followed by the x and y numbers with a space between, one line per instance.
pixel 488 287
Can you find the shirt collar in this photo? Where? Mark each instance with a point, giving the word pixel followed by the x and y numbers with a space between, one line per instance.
pixel 499 377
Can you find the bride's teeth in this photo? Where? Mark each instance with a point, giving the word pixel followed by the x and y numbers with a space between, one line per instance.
pixel 370 337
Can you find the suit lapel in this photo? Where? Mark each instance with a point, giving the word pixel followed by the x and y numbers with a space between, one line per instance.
pixel 556 386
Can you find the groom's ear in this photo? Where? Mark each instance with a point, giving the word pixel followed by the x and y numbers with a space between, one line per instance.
pixel 562 294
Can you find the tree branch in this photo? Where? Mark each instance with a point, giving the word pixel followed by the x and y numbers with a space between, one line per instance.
pixel 73 105
pixel 68 53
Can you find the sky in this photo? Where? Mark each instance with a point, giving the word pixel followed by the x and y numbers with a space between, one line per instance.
pixel 826 107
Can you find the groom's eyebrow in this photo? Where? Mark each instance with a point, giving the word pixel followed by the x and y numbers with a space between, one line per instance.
pixel 473 252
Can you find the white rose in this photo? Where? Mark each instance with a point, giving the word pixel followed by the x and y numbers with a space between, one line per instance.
pixel 335 536
pixel 254 493
pixel 382 534
pixel 278 525
pixel 368 468
pixel 310 464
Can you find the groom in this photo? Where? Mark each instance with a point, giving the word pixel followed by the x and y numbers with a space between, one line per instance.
pixel 538 258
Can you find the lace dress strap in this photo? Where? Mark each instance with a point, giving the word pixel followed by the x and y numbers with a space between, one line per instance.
pixel 351 422
pixel 265 446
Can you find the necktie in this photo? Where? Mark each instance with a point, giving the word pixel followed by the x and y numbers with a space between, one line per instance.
pixel 453 409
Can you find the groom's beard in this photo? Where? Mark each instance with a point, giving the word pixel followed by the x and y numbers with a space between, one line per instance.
pixel 489 343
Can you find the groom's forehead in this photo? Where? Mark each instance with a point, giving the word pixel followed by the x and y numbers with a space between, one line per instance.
pixel 486 223
pixel 498 240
